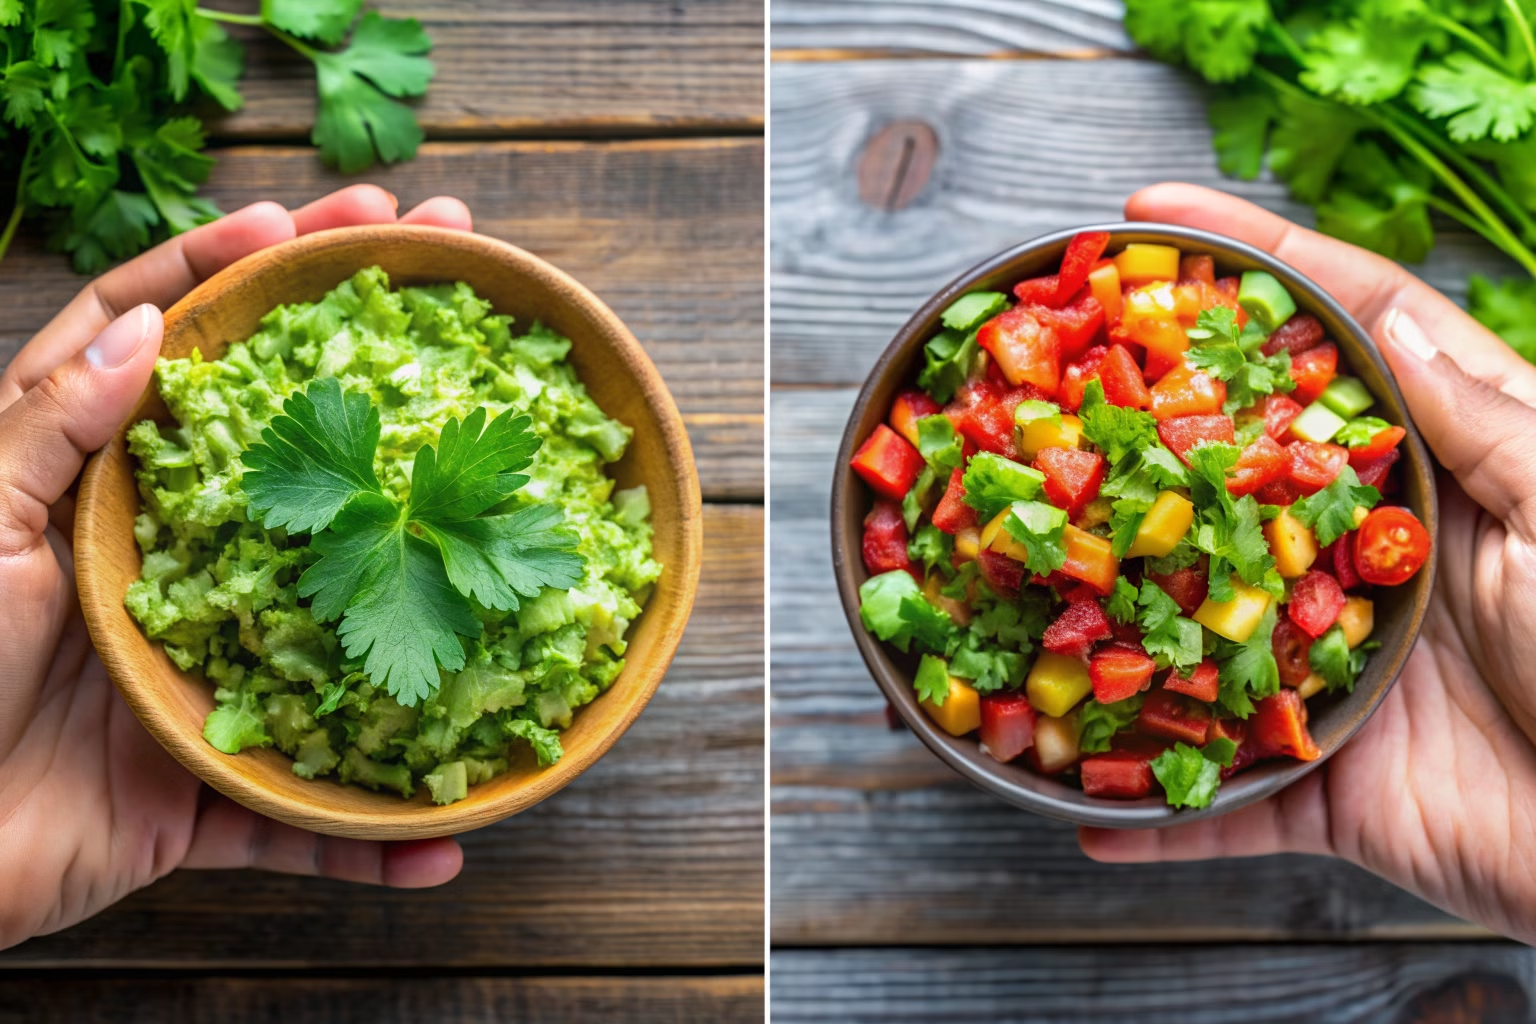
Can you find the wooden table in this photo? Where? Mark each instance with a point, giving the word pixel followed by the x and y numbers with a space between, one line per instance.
pixel 622 140
pixel 910 140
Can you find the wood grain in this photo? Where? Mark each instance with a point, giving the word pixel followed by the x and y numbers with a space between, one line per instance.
pixel 653 857
pixel 960 28
pixel 1489 983
pixel 1024 148
pixel 544 67
pixel 451 1000
pixel 668 233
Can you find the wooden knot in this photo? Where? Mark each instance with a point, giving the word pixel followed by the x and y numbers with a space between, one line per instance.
pixel 896 164
pixel 1472 997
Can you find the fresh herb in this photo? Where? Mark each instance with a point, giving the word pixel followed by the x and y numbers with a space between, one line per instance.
pixel 895 610
pixel 1229 530
pixel 992 483
pixel 932 680
pixel 1360 430
pixel 939 444
pixel 1248 669
pixel 947 360
pixel 1332 659
pixel 1331 511
pixel 930 547
pixel 1231 354
pixel 1167 636
pixel 1041 529
pixel 1121 605
pixel 1100 722
pixel 989 668
pixel 1187 775
pixel 1116 430
pixel 969 312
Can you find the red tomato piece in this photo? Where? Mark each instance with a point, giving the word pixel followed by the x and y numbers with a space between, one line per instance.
pixel 1278 727
pixel 1390 546
pixel 1301 332
pixel 1164 338
pixel 1118 673
pixel 1025 351
pixel 1340 558
pixel 952 514
pixel 1182 433
pixel 1185 391
pixel 1313 370
pixel 1197 269
pixel 1077 376
pixel 981 414
pixel 1280 411
pixel 888 463
pixel 1229 286
pixel 885 539
pixel 1117 775
pixel 1003 574
pixel 1316 600
pixel 1281 492
pixel 1078 262
pixel 1374 474
pixel 1126 634
pixel 1314 465
pixel 1077 629
pixel 909 407
pixel 1075 325
pixel 1188 586
pixel 1072 477
pixel 1292 647
pixel 1378 446
pixel 1203 683
pixel 1123 383
pixel 1040 291
pixel 1175 717
pixel 1262 462
pixel 1007 725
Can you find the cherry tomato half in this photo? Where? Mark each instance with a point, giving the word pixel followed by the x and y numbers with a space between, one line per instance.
pixel 1391 546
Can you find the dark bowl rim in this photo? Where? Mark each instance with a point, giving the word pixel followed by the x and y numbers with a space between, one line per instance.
pixel 1079 809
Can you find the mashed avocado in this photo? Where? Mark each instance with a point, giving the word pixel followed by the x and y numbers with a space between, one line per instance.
pixel 220 591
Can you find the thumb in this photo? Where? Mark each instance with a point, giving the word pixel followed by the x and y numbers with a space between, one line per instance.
pixel 46 434
pixel 1483 435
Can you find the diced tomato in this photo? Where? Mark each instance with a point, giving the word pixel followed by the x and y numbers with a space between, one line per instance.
pixel 1026 352
pixel 909 407
pixel 1301 332
pixel 1075 325
pixel 1182 433
pixel 1313 370
pixel 1104 283
pixel 1185 391
pixel 1340 558
pixel 1236 730
pixel 1379 445
pixel 1188 586
pixel 885 539
pixel 1202 684
pixel 1374 474
pixel 952 513
pixel 1278 727
pixel 1316 600
pixel 1003 574
pixel 1077 376
pixel 1090 559
pixel 1123 384
pixel 1314 465
pixel 1175 717
pixel 1229 286
pixel 1292 647
pixel 1127 635
pixel 1118 673
pixel 1078 261
pixel 1197 269
pixel 1040 291
pixel 1072 477
pixel 981 413
pixel 1069 590
pixel 1390 546
pixel 1007 725
pixel 1077 629
pixel 1280 411
pixel 1281 492
pixel 1262 462
pixel 888 463
pixel 1117 775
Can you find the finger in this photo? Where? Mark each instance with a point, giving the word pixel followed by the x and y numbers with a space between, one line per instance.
pixel 1366 284
pixel 230 836
pixel 51 428
pixel 158 277
pixel 441 212
pixel 355 204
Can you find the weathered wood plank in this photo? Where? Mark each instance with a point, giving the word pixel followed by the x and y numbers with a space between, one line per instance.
pixel 1025 147
pixel 876 841
pixel 1377 983
pixel 541 67
pixel 396 1000
pixel 969 28
pixel 653 857
pixel 669 233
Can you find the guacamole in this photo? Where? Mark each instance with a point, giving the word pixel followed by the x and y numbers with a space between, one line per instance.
pixel 221 591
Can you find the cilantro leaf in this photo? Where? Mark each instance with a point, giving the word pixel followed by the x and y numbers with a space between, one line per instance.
pixel 1183 555
pixel 1188 777
pixel 1331 658
pixel 1331 511
pixel 1380 204
pixel 358 120
pixel 930 546
pixel 1248 669
pixel 895 610
pixel 1218 38
pixel 932 680
pixel 1240 120
pixel 1117 431
pixel 939 444
pixel 1167 636
pixel 1309 141
pixel 1040 528
pixel 915 501
pixel 1361 61
pixel 1017 623
pixel 1360 430
pixel 992 483
pixel 498 559
pixel 947 359
pixel 988 668
pixel 473 467
pixel 1121 605
pixel 1100 722
pixel 1221 349
pixel 1479 100
pixel 545 742
pixel 325 21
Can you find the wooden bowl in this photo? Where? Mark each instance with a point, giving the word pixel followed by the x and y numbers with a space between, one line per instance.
pixel 172 704
pixel 1334 719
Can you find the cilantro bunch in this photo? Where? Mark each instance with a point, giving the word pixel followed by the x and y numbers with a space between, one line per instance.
pixel 400 574
pixel 97 101
pixel 1378 113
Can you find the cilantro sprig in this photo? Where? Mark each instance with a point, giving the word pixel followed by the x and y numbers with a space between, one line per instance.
pixel 1231 354
pixel 400 574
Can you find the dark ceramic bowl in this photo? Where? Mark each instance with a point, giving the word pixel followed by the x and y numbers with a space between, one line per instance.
pixel 1333 719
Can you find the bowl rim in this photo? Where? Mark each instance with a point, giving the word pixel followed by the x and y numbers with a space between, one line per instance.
pixel 1072 805
pixel 408 819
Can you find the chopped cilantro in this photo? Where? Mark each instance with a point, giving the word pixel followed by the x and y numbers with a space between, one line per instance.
pixel 932 680
pixel 992 483
pixel 1117 431
pixel 1167 636
pixel 1040 528
pixel 1100 722
pixel 947 359
pixel 930 547
pixel 1359 431
pixel 1121 605
pixel 1332 659
pixel 1331 511
pixel 939 444
pixel 1188 777
pixel 989 668
pixel 1248 669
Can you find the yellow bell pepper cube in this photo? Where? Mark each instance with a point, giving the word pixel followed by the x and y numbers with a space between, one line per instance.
pixel 1165 524
pixel 1311 685
pixel 1357 618
pixel 1056 684
pixel 1140 263
pixel 968 543
pixel 961 711
pixel 1238 618
pixel 995 537
pixel 1048 433
pixel 1292 544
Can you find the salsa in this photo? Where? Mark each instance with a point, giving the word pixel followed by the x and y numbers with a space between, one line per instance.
pixel 1131 518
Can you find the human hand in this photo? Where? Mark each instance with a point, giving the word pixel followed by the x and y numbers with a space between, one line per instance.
pixel 91 808
pixel 1437 792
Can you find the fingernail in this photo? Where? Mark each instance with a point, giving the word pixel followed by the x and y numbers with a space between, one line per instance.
pixel 1405 333
pixel 120 339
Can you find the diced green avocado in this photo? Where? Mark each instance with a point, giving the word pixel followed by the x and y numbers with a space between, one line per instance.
pixel 1347 396
pixel 1265 299
pixel 1317 422
pixel 969 311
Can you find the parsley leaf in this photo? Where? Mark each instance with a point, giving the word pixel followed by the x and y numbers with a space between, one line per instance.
pixel 1100 722
pixel 1331 511
pixel 1507 308
pixel 358 120
pixel 992 483
pixel 1189 778
pixel 1040 528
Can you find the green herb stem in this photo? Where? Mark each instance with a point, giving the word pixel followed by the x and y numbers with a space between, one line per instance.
pixel 1483 47
pixel 1288 42
pixel 231 17
pixel 1524 28
pixel 1461 217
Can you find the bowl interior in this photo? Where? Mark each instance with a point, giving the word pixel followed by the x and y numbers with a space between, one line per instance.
pixel 618 374
pixel 1399 610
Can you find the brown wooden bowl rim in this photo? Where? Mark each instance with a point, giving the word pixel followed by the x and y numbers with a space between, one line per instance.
pixel 392 818
pixel 1019 784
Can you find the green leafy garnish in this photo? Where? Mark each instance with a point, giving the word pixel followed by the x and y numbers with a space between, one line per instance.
pixel 930 547
pixel 969 312
pixel 1121 605
pixel 1187 775
pixel 1223 351
pixel 895 610
pixel 1040 528
pixel 1100 722
pixel 932 680
pixel 1248 669
pixel 988 667
pixel 1167 636
pixel 939 444
pixel 1360 430
pixel 992 483
pixel 1116 430
pixel 1331 511
pixel 947 359
pixel 1332 659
